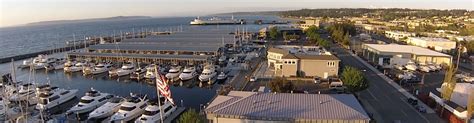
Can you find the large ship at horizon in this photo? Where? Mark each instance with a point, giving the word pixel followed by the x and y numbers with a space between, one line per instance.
pixel 216 21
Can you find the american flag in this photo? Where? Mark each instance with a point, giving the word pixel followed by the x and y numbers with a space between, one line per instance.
pixel 162 86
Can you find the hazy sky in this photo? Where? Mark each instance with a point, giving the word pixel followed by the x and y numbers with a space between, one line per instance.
pixel 14 12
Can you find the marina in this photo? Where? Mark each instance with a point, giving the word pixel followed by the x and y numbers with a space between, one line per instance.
pixel 122 66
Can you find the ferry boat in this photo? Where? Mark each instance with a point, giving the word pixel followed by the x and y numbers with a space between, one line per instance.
pixel 188 73
pixel 208 73
pixel 108 109
pixel 132 108
pixel 216 21
pixel 90 101
pixel 98 69
pixel 150 72
pixel 126 69
pixel 152 112
pixel 173 73
pixel 50 97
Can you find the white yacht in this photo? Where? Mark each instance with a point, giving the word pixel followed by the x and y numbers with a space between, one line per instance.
pixel 132 108
pixel 108 109
pixel 92 100
pixel 188 73
pixel 411 66
pixel 56 65
pixel 138 74
pixel 25 64
pixel 222 76
pixel 208 73
pixel 43 62
pixel 98 69
pixel 52 96
pixel 126 69
pixel 76 68
pixel 173 73
pixel 26 92
pixel 152 112
pixel 150 72
pixel 222 58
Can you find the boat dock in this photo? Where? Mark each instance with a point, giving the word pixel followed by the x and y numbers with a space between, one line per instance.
pixel 180 47
pixel 173 116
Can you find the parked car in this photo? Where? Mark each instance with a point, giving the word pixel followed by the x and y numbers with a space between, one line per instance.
pixel 253 79
pixel 420 109
pixel 424 68
pixel 317 80
pixel 412 101
pixel 399 67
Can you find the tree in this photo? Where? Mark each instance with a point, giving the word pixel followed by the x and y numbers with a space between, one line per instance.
pixel 470 47
pixel 353 79
pixel 323 43
pixel 346 40
pixel 281 85
pixel 190 116
pixel 273 33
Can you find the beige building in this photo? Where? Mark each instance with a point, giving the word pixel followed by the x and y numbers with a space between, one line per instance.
pixel 288 63
pixel 388 55
pixel 438 44
pixel 398 35
pixel 258 107
pixel 309 22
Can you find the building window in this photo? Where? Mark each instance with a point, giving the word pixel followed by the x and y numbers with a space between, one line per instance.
pixel 331 64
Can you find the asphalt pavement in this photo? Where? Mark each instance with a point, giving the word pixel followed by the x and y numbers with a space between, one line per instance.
pixel 382 100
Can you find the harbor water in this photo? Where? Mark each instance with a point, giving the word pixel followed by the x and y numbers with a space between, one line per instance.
pixel 27 39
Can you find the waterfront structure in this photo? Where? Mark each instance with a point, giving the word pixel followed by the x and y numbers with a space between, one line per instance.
pixel 438 44
pixel 398 35
pixel 216 21
pixel 289 30
pixel 258 107
pixel 458 103
pixel 304 61
pixel 309 22
pixel 387 55
pixel 177 47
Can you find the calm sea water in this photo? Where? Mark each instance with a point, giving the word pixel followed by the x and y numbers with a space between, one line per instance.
pixel 27 39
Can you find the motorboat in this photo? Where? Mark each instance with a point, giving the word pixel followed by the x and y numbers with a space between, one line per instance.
pixel 3 107
pixel 43 62
pixel 26 92
pixel 222 58
pixel 98 69
pixel 233 59
pixel 411 66
pixel 56 65
pixel 76 68
pixel 25 64
pixel 108 109
pixel 126 69
pixel 174 72
pixel 150 72
pixel 152 112
pixel 222 76
pixel 49 97
pixel 132 108
pixel 92 100
pixel 188 73
pixel 208 73
pixel 138 74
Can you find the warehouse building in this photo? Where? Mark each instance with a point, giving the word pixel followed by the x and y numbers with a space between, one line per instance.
pixel 387 55
pixel 257 107
pixel 398 35
pixel 438 44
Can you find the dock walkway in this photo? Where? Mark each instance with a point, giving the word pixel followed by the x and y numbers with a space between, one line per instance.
pixel 175 115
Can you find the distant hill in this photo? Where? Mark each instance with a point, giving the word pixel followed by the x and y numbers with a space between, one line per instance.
pixel 89 20
pixel 250 13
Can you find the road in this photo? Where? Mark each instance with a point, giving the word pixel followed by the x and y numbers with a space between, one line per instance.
pixel 381 99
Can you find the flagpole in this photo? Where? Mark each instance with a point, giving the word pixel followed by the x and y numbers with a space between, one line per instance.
pixel 157 76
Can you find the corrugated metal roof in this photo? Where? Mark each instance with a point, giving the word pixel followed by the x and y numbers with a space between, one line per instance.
pixel 156 47
pixel 405 49
pixel 293 106
pixel 152 56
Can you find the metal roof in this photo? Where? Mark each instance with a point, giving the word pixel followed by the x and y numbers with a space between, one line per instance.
pixel 395 48
pixel 151 56
pixel 156 47
pixel 290 106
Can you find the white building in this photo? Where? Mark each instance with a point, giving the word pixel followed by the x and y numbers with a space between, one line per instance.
pixel 398 35
pixel 388 55
pixel 459 99
pixel 309 22
pixel 438 44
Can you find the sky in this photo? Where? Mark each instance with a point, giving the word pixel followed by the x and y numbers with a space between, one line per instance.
pixel 17 12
